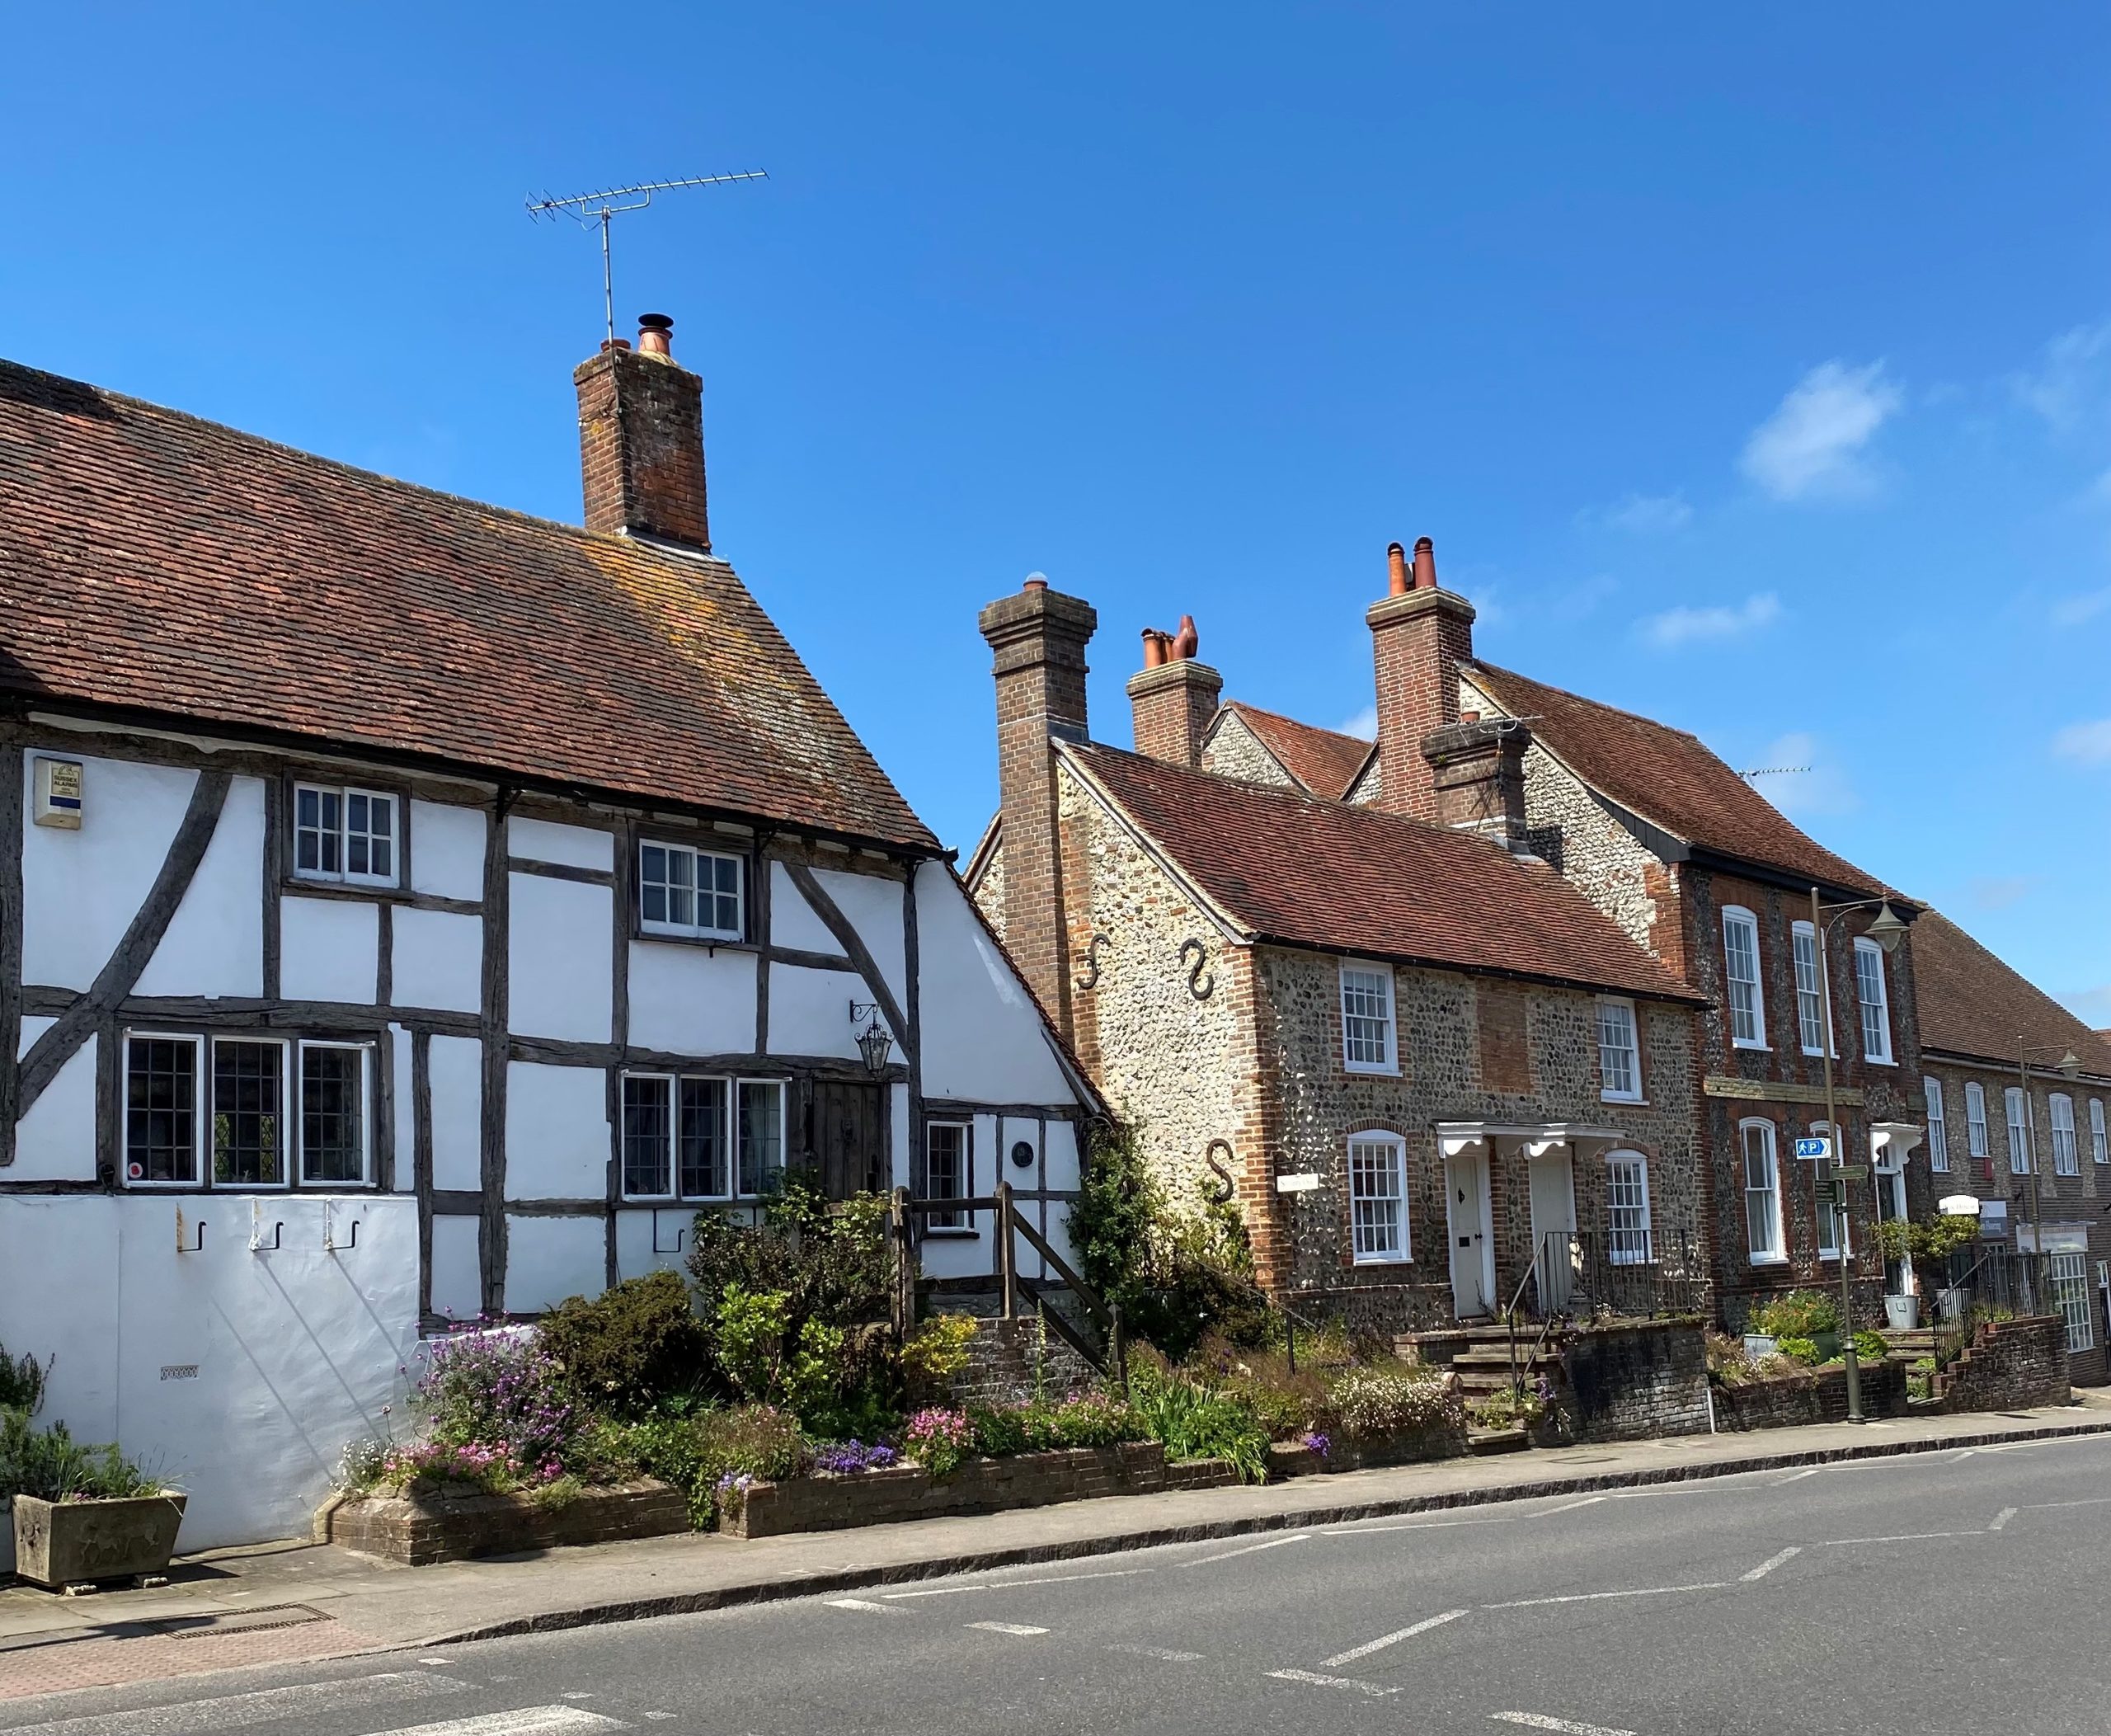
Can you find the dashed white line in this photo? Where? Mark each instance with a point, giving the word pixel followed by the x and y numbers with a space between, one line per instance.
pixel 1158 1652
pixel 2092 1501
pixel 1796 1476
pixel 1251 1549
pixel 1007 1627
pixel 1568 1506
pixel 1916 1536
pixel 1646 1590
pixel 1001 1585
pixel 527 1721
pixel 1376 1690
pixel 262 1705
pixel 1366 1528
pixel 1394 1638
pixel 865 1604
pixel 1767 1566
pixel 2002 1518
pixel 1540 1721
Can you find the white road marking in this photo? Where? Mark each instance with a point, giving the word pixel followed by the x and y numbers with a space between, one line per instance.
pixel 1646 1590
pixel 1376 1690
pixel 2002 1518
pixel 1568 1506
pixel 1006 1627
pixel 1379 1645
pixel 1002 1585
pixel 861 1603
pixel 1366 1527
pixel 1767 1566
pixel 1540 1721
pixel 264 1705
pixel 527 1721
pixel 1159 1651
pixel 1251 1549
pixel 1917 1536
pixel 2091 1501
pixel 1798 1476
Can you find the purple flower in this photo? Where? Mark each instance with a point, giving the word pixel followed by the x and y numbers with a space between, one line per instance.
pixel 1319 1445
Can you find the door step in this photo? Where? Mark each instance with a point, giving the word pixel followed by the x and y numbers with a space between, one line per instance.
pixel 1484 1442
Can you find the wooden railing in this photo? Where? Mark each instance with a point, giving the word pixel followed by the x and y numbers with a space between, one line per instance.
pixel 1111 1358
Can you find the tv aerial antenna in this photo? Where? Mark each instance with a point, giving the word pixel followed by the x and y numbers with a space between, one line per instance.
pixel 586 210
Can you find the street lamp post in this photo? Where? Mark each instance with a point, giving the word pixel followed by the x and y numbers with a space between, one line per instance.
pixel 1885 930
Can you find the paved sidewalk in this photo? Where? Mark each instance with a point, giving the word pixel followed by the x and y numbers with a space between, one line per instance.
pixel 283 1601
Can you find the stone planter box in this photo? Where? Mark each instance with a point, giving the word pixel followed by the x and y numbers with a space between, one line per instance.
pixel 61 1543
pixel 979 1486
pixel 1819 1396
pixel 457 1525
pixel 1292 1459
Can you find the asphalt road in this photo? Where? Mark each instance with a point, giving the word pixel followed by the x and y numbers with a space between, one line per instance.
pixel 1935 1593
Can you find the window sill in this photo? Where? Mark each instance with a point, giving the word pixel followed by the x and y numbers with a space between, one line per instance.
pixel 1761 1260
pixel 1621 1097
pixel 693 937
pixel 1356 1071
pixel 1383 1259
pixel 1752 1047
pixel 952 1233
pixel 1878 1060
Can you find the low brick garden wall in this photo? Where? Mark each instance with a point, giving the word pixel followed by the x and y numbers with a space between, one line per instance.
pixel 2012 1365
pixel 979 1486
pixel 1819 1396
pixel 416 1530
pixel 1637 1380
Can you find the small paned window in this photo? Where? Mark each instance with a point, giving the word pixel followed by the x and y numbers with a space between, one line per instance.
pixel 1938 1128
pixel 2069 1276
pixel 1975 1121
pixel 682 890
pixel 674 1138
pixel 1762 1194
pixel 1378 1199
pixel 333 1121
pixel 2100 1145
pixel 1832 1229
pixel 1875 1003
pixel 1811 996
pixel 347 834
pixel 761 1134
pixel 249 1092
pixel 1627 1208
pixel 2019 1120
pixel 161 1109
pixel 947 1145
pixel 1741 971
pixel 707 1170
pixel 2066 1157
pixel 1620 1061
pixel 1367 1036
pixel 648 1136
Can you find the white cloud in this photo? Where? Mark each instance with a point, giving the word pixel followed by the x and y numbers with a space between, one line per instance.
pixel 2085 744
pixel 1648 515
pixel 1363 725
pixel 1812 444
pixel 1800 780
pixel 1682 626
pixel 2064 388
pixel 2073 611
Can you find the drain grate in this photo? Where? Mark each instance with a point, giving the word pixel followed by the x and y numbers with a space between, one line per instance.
pixel 260 1620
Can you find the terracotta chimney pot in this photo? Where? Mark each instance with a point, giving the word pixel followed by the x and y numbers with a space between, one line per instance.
pixel 655 334
pixel 1186 641
pixel 1425 564
pixel 1396 570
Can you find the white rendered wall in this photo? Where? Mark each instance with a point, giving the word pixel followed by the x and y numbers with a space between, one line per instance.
pixel 793 922
pixel 405 1131
pixel 296 1350
pixel 574 846
pixel 810 1011
pixel 56 1140
pixel 438 961
pixel 329 949
pixel 455 1068
pixel 557 1132
pixel 550 1259
pixel 447 850
pixel 81 889
pixel 215 944
pixel 559 933
pixel 983 1039
pixel 458 1282
pixel 692 1000
pixel 874 907
pixel 635 1232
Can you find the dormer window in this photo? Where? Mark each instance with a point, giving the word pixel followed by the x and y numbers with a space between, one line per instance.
pixel 348 836
pixel 689 892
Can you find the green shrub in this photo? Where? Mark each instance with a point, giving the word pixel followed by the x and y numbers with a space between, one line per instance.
pixel 1801 1351
pixel 939 1349
pixel 1869 1347
pixel 1384 1403
pixel 1198 1422
pixel 50 1464
pixel 627 1349
pixel 1802 1314
pixel 1094 1419
pixel 22 1382
pixel 831 1263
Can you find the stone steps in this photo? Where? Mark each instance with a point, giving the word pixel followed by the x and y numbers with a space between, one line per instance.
pixel 1482 1442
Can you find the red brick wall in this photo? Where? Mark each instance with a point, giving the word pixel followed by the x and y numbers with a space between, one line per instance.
pixel 1418 640
pixel 641 447
pixel 1172 706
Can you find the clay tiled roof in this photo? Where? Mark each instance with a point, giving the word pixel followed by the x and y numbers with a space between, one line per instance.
pixel 1668 777
pixel 1323 760
pixel 1972 1004
pixel 173 567
pixel 1290 867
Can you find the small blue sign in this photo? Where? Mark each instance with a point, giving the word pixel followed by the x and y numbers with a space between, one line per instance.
pixel 1814 1148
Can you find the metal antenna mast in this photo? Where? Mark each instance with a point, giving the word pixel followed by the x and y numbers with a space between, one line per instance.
pixel 588 209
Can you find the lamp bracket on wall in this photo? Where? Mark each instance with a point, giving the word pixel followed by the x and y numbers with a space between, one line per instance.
pixel 873 1041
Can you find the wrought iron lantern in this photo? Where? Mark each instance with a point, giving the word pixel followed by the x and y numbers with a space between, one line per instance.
pixel 873 1041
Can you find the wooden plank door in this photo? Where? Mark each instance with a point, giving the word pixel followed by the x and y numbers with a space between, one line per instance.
pixel 849 1138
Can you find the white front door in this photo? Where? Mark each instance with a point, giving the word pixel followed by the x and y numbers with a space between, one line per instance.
pixel 1554 1214
pixel 1473 1249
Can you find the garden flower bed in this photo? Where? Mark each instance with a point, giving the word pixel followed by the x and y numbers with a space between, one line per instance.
pixel 458 1520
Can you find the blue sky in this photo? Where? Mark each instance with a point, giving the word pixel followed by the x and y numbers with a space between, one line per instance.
pixel 1751 372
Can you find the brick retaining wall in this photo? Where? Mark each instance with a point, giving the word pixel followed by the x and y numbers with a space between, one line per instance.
pixel 1821 1396
pixel 416 1530
pixel 1637 1380
pixel 2012 1365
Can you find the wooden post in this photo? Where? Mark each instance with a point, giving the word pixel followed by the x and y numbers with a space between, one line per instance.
pixel 905 1273
pixel 1117 1346
pixel 1008 1257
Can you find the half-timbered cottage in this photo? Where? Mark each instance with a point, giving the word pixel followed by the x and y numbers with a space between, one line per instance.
pixel 415 910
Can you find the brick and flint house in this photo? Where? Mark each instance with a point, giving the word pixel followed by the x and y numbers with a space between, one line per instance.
pixel 411 910
pixel 2016 1093
pixel 1430 1069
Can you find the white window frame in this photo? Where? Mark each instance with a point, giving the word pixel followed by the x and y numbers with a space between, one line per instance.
pixel 1626 1158
pixel 642 1076
pixel 341 875
pixel 1372 1142
pixel 1931 1091
pixel 201 1107
pixel 674 1192
pixel 2066 1154
pixel 1624 1008
pixel 1978 1143
pixel 1737 917
pixel 698 857
pixel 2015 1111
pixel 2067 1274
pixel 1877 1011
pixel 1383 974
pixel 1817 992
pixel 1778 1254
pixel 740 1087
pixel 287 1154
pixel 950 1222
pixel 297 1089
pixel 2100 1145
pixel 1842 1229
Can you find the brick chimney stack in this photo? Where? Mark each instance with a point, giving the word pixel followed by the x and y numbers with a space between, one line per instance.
pixel 1173 698
pixel 1477 773
pixel 1039 637
pixel 641 439
pixel 1420 634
